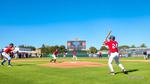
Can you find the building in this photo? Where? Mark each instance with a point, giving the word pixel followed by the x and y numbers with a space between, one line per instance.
pixel 27 52
pixel 134 52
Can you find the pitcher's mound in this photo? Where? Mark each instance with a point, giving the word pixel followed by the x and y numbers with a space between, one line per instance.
pixel 73 64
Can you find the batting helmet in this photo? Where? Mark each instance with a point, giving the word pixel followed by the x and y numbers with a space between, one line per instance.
pixel 112 37
pixel 11 44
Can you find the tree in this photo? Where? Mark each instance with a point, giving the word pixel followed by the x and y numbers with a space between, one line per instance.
pixel 143 45
pixel 103 48
pixel 26 46
pixel 62 49
pixel 44 49
pixel 133 46
pixel 51 49
pixel 92 50
pixel 56 47
pixel 124 47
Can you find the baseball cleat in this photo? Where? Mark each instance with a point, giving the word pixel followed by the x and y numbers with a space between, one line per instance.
pixel 113 73
pixel 124 71
pixel 2 64
pixel 10 65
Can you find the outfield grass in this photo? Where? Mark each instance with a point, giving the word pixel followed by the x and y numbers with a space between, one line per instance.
pixel 30 73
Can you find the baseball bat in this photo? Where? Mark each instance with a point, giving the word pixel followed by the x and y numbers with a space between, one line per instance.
pixel 107 36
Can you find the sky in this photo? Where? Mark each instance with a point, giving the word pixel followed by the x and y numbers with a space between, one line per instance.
pixel 54 22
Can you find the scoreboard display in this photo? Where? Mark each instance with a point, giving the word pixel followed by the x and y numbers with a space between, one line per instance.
pixel 76 45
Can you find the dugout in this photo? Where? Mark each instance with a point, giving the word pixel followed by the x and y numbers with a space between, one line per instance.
pixel 79 54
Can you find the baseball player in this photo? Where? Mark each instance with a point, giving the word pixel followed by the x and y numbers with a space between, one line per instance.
pixel 100 54
pixel 113 50
pixel 55 53
pixel 6 54
pixel 65 53
pixel 74 53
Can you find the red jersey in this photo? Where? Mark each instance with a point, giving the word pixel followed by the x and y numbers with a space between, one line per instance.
pixel 74 53
pixel 100 53
pixel 65 53
pixel 112 45
pixel 55 53
pixel 8 49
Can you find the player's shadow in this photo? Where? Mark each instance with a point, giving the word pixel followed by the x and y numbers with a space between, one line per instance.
pixel 23 64
pixel 128 71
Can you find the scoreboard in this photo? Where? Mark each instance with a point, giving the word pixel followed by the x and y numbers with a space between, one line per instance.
pixel 76 45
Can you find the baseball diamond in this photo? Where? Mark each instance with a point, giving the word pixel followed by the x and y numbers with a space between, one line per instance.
pixel 38 70
pixel 74 42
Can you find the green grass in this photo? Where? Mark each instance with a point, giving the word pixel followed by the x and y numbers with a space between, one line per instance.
pixel 30 73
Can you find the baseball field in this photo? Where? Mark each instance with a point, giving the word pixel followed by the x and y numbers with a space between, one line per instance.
pixel 84 71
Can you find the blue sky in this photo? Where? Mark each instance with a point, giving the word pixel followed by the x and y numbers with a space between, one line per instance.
pixel 53 22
